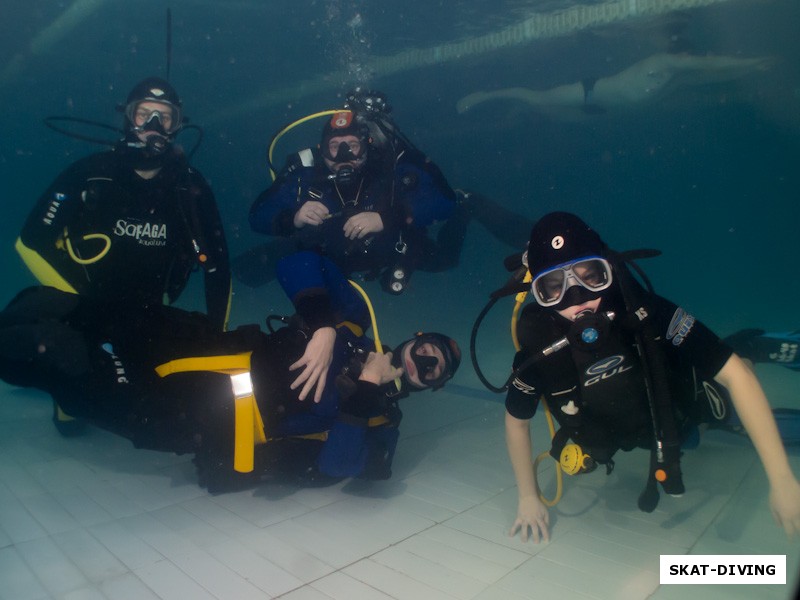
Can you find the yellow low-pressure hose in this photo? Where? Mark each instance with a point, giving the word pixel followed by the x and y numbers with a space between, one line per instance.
pixel 374 320
pixel 97 257
pixel 291 126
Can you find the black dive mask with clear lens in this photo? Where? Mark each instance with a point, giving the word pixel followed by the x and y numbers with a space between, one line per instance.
pixel 154 119
pixel 344 153
pixel 427 364
pixel 154 123
pixel 155 145
pixel 424 364
pixel 349 162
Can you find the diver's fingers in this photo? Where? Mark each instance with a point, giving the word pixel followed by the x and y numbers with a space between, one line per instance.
pixel 321 380
pixel 307 388
pixel 302 377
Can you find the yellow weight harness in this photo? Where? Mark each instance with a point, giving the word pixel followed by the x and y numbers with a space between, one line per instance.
pixel 248 423
pixel 249 430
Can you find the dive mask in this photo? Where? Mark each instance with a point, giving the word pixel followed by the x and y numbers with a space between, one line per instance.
pixel 347 152
pixel 550 287
pixel 160 121
pixel 430 371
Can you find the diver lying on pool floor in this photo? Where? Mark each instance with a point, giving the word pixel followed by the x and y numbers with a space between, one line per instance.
pixel 169 381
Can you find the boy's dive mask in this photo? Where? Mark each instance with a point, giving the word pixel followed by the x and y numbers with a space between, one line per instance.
pixel 555 287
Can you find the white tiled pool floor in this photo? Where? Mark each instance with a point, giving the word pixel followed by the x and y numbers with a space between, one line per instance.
pixel 92 518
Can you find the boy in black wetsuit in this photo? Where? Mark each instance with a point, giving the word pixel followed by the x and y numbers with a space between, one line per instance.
pixel 580 343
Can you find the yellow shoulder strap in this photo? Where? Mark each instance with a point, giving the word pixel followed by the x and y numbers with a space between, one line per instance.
pixel 231 364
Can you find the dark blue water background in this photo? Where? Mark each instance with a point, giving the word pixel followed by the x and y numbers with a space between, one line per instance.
pixel 708 175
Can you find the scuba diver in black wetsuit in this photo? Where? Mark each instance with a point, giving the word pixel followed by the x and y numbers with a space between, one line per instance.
pixel 127 227
pixel 619 368
pixel 240 401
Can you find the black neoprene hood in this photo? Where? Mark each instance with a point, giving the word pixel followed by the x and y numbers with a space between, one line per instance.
pixel 560 237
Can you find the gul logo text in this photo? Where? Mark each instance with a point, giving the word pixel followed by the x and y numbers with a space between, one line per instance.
pixel 680 326
pixel 608 367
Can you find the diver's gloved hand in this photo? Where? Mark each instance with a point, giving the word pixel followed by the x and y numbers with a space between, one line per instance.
pixel 743 342
pixel 758 346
